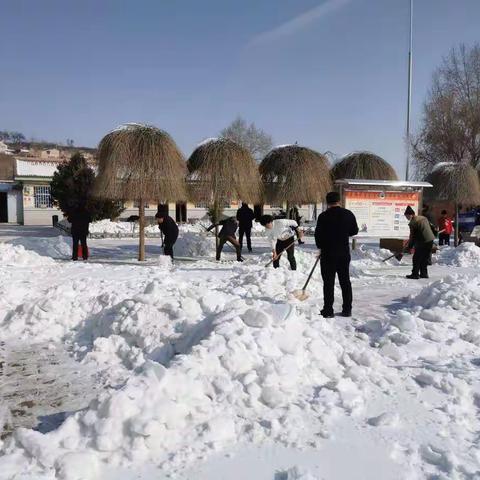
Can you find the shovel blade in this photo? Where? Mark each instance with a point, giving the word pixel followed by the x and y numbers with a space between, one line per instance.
pixel 300 295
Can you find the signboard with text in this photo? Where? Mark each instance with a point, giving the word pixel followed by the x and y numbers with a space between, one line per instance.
pixel 381 214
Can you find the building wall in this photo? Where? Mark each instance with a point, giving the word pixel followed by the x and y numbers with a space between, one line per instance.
pixel 14 201
pixel 36 216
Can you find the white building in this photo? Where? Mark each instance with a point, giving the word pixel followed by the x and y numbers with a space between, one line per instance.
pixel 35 176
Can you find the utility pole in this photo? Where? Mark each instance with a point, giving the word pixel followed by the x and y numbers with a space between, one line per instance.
pixel 409 100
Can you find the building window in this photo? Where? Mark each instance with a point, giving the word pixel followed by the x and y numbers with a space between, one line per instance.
pixel 136 204
pixel 42 197
pixel 201 205
pixel 276 206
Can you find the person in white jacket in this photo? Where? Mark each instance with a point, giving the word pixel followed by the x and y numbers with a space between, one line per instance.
pixel 281 234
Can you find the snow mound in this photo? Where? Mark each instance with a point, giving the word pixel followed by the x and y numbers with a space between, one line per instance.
pixel 465 255
pixel 53 247
pixel 191 244
pixel 18 255
pixel 108 228
pixel 203 369
pixel 296 473
pixel 439 322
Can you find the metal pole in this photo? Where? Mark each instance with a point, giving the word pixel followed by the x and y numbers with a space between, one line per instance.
pixel 409 101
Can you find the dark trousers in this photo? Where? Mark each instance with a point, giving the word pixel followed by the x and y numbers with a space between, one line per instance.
pixel 423 252
pixel 444 239
pixel 82 239
pixel 282 245
pixel 232 239
pixel 331 266
pixel 247 231
pixel 168 244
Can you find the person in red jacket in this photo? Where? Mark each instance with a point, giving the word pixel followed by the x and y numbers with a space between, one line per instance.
pixel 445 228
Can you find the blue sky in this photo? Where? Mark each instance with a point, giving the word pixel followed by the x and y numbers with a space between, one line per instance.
pixel 328 74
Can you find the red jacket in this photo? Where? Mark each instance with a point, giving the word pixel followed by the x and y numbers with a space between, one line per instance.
pixel 446 225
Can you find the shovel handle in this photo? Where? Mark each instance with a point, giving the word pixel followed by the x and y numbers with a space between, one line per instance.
pixel 311 273
pixel 279 253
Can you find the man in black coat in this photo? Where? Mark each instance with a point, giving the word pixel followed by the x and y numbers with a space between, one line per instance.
pixel 245 218
pixel 334 228
pixel 80 220
pixel 169 229
pixel 227 234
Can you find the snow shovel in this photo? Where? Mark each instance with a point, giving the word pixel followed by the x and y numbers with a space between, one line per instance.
pixel 279 253
pixel 398 256
pixel 302 294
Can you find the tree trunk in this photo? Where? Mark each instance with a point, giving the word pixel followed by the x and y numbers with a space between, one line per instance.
pixel 141 232
pixel 215 220
pixel 457 230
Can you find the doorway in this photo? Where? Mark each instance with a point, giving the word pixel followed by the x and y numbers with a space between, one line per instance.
pixel 3 207
pixel 181 212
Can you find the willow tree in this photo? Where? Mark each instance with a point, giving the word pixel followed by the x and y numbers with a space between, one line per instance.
pixel 220 171
pixel 454 182
pixel 141 163
pixel 295 175
pixel 363 165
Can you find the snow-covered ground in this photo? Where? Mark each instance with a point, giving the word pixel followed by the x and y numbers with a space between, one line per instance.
pixel 204 370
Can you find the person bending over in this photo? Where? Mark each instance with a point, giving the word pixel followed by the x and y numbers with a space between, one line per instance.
pixel 281 233
pixel 421 239
pixel 169 229
pixel 227 234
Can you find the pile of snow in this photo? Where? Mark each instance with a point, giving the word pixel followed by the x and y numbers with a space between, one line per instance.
pixel 107 228
pixel 52 247
pixel 204 365
pixel 297 473
pixel 439 322
pixel 191 244
pixel 18 255
pixel 465 255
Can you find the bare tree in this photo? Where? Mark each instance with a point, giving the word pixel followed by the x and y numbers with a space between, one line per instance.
pixel 450 130
pixel 17 137
pixel 254 139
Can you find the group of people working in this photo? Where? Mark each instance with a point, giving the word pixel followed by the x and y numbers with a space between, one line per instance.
pixel 334 228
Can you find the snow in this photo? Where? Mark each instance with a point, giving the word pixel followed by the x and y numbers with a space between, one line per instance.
pixel 29 168
pixel 19 256
pixel 208 140
pixel 465 255
pixel 46 248
pixel 203 368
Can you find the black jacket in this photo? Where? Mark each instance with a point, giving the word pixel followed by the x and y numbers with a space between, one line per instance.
pixel 80 221
pixel 169 228
pixel 245 216
pixel 229 227
pixel 334 227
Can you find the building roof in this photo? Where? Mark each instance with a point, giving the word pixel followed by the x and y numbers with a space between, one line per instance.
pixel 35 168
pixel 383 183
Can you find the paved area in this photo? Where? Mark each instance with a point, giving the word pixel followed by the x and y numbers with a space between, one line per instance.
pixel 8 231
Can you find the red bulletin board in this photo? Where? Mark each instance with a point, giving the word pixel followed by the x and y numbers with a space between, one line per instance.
pixel 379 213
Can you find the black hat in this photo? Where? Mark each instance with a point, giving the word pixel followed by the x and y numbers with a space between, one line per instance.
pixel 160 215
pixel 409 211
pixel 333 197
pixel 266 219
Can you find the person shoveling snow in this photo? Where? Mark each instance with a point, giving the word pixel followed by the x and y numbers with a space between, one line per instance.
pixel 281 234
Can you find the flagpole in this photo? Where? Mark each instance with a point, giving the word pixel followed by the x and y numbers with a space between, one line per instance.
pixel 409 100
